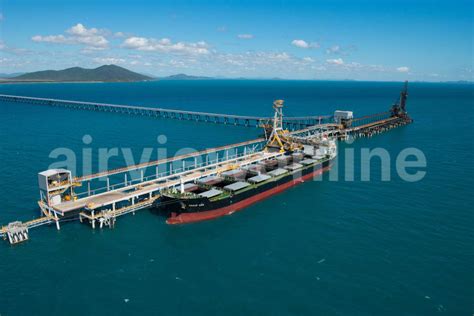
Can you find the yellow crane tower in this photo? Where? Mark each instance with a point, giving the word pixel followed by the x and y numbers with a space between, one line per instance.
pixel 279 138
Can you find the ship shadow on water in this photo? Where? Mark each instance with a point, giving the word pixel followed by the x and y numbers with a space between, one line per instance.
pixel 158 210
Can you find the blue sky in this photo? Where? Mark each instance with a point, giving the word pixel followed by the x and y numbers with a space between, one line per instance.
pixel 363 40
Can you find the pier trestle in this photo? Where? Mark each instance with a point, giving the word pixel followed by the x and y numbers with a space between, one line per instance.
pixel 16 232
pixel 108 217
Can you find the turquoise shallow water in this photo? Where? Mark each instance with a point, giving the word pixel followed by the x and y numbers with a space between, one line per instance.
pixel 322 248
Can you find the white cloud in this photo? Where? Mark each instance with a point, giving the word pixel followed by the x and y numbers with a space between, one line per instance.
pixel 303 44
pixel 165 45
pixel 49 38
pixel 336 49
pixel 339 50
pixel 222 29
pixel 137 43
pixel 245 36
pixel 403 69
pixel 109 60
pixel 356 68
pixel 247 64
pixel 256 60
pixel 81 30
pixel 300 43
pixel 78 35
pixel 279 56
pixel 336 61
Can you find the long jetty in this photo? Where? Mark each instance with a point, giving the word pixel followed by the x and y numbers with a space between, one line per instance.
pixel 292 123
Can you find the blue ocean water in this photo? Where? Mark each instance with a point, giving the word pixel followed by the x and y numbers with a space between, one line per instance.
pixel 321 248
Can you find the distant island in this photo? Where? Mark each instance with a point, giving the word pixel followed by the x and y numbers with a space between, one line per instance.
pixel 184 77
pixel 106 73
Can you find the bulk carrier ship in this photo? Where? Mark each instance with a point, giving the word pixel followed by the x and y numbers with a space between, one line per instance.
pixel 235 188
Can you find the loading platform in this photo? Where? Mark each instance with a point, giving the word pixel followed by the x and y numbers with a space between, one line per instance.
pixel 102 197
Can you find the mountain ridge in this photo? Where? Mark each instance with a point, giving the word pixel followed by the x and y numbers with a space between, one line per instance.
pixel 105 73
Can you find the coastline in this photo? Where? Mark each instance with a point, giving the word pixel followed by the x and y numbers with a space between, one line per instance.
pixel 6 81
pixel 9 81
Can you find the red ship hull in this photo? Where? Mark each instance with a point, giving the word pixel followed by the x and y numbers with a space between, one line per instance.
pixel 184 218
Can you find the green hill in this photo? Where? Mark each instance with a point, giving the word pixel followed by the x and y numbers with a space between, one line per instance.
pixel 106 73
